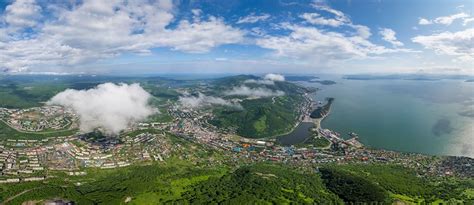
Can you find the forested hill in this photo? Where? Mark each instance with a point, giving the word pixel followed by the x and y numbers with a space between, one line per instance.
pixel 261 116
pixel 333 184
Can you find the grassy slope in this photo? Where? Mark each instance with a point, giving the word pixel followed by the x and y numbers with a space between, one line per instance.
pixel 14 95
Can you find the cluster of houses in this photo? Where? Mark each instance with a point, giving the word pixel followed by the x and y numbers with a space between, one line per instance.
pixel 23 165
pixel 38 119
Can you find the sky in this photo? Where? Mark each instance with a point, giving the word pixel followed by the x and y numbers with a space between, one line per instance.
pixel 246 36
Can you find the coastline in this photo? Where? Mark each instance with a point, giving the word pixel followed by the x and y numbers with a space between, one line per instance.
pixel 315 124
pixel 318 121
pixel 303 116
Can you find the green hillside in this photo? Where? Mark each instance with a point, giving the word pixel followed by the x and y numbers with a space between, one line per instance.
pixel 261 117
pixel 261 184
pixel 180 182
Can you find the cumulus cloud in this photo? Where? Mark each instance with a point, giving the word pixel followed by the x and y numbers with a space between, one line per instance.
pixel 446 20
pixel 322 46
pixel 389 36
pixel 264 82
pixel 92 30
pixel 22 14
pixel 108 106
pixel 274 77
pixel 253 18
pixel 268 79
pixel 201 36
pixel 467 21
pixel 362 31
pixel 203 100
pixel 460 44
pixel 254 92
pixel 316 45
pixel 424 21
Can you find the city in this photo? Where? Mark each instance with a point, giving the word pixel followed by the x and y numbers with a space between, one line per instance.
pixel 236 102
pixel 30 160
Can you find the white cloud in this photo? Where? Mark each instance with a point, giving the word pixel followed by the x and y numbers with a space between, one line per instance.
pixel 467 21
pixel 460 44
pixel 339 15
pixel 389 36
pixel 264 82
pixel 424 21
pixel 362 31
pixel 22 14
pixel 108 106
pixel 319 46
pixel 20 55
pixel 274 77
pixel 254 92
pixel 94 30
pixel 199 37
pixel 315 18
pixel 203 100
pixel 448 20
pixel 445 20
pixel 196 12
pixel 252 18
pixel 268 79
pixel 323 46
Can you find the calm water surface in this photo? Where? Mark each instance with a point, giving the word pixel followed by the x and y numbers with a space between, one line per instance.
pixel 431 117
pixel 298 135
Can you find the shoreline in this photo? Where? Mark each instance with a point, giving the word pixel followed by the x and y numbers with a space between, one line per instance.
pixel 316 123
pixel 297 124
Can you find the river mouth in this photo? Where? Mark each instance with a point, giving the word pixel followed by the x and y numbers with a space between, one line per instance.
pixel 299 134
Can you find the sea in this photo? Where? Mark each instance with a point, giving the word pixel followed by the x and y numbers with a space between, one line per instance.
pixel 420 116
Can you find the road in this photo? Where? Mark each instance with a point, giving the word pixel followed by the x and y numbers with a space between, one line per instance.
pixel 17 195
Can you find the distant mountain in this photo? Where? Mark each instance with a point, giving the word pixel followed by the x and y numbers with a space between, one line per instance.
pixel 300 78
pixel 419 77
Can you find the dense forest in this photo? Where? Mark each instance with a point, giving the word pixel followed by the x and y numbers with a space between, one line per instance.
pixel 261 184
pixel 179 181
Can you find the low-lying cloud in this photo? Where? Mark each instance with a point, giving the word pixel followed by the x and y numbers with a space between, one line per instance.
pixel 108 106
pixel 274 77
pixel 203 100
pixel 268 79
pixel 254 92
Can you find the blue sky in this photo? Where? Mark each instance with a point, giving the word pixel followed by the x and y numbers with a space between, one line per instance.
pixel 251 36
